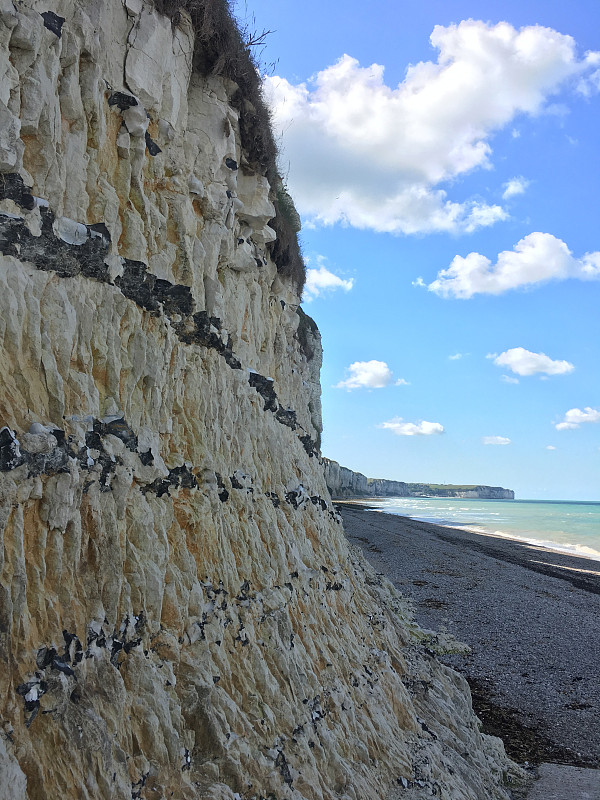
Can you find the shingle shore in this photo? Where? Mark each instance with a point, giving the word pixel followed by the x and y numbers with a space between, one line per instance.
pixel 530 616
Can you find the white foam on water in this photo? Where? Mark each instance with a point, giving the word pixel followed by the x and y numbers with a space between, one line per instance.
pixel 489 521
pixel 560 547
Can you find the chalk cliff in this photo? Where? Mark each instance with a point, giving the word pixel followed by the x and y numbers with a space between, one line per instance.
pixel 344 483
pixel 180 614
pixel 465 492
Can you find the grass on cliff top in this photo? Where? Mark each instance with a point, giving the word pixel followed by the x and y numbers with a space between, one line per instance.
pixel 220 49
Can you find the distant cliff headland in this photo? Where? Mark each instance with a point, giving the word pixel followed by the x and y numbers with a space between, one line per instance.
pixel 344 483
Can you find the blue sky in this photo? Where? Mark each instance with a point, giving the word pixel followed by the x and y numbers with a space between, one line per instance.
pixel 449 202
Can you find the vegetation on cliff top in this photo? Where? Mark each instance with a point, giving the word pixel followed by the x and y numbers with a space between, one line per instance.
pixel 220 49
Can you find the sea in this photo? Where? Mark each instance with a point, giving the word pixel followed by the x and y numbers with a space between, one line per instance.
pixel 570 527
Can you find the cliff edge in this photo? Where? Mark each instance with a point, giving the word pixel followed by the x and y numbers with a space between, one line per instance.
pixel 180 614
pixel 343 483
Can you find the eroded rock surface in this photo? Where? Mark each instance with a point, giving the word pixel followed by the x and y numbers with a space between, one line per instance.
pixel 180 614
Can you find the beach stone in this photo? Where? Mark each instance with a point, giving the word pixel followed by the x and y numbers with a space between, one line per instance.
pixel 528 614
pixel 559 782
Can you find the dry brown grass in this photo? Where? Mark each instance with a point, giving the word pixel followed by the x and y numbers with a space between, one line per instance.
pixel 220 49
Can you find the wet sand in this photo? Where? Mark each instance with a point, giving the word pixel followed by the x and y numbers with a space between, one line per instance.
pixel 530 615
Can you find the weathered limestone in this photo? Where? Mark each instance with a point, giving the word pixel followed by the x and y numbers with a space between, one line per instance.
pixel 344 482
pixel 180 614
pixel 380 487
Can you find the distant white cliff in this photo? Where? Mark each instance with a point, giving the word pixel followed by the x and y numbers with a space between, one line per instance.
pixel 344 483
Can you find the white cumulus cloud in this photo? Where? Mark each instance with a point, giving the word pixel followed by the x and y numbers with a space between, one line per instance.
pixel 495 440
pixel 422 428
pixel 320 279
pixel 375 156
pixel 514 186
pixel 367 375
pixel 524 362
pixel 550 447
pixel 576 416
pixel 537 258
pixel 508 379
pixel 455 357
pixel 590 83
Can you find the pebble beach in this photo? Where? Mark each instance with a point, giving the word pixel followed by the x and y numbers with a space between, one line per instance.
pixel 530 616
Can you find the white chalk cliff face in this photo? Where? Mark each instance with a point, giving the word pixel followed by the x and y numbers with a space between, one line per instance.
pixel 180 614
